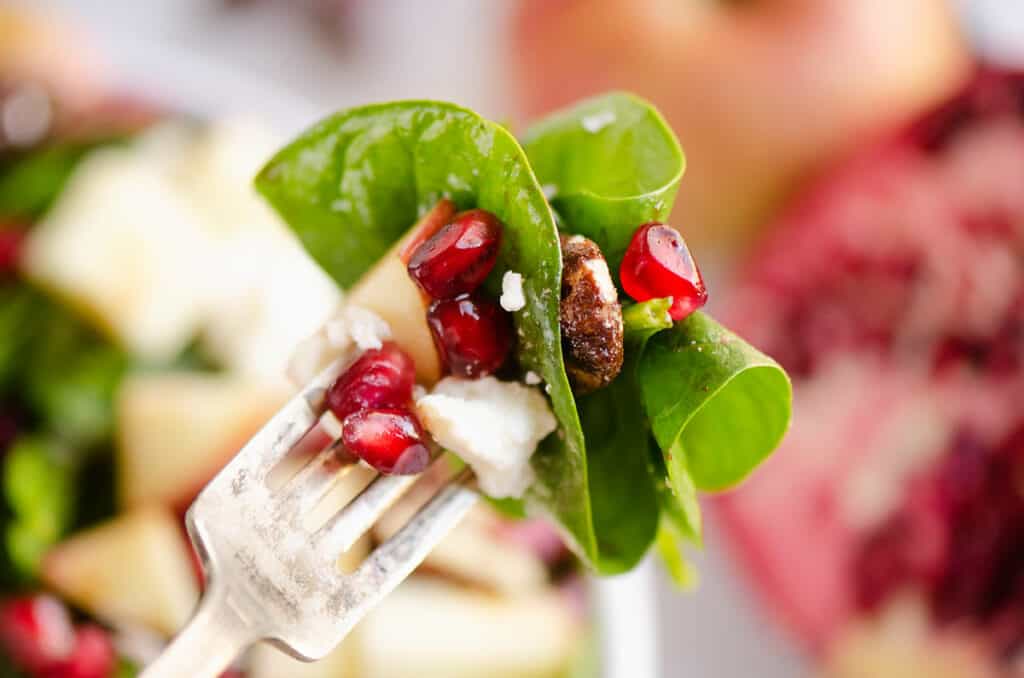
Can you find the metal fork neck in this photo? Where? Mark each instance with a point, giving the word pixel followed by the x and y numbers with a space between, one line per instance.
pixel 208 645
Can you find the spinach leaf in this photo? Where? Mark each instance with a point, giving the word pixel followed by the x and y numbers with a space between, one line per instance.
pixel 717 406
pixel 63 370
pixel 38 486
pixel 612 163
pixel 354 183
pixel 31 180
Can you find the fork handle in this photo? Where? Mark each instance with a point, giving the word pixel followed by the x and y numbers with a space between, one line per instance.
pixel 208 645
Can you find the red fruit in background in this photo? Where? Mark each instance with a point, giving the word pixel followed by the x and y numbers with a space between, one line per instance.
pixel 381 377
pixel 389 440
pixel 457 259
pixel 36 632
pixel 11 239
pixel 657 264
pixel 92 657
pixel 472 333
pixel 893 292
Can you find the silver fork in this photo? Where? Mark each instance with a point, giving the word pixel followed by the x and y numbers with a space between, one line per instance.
pixel 270 577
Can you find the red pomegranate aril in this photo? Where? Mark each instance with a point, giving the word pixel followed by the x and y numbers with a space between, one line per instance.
pixel 93 657
pixel 458 258
pixel 36 632
pixel 389 440
pixel 381 377
pixel 659 264
pixel 472 333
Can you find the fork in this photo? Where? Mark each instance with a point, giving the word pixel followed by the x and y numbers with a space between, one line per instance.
pixel 270 576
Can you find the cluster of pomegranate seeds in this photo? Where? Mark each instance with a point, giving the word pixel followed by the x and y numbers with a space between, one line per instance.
pixel 657 264
pixel 371 400
pixel 473 334
pixel 37 634
pixel 959 538
pixel 458 258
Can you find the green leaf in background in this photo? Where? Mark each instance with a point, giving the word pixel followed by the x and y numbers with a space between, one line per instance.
pixel 31 180
pixel 38 487
pixel 354 183
pixel 612 163
pixel 62 369
pixel 717 406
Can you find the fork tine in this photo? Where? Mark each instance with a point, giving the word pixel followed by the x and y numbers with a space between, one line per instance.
pixel 347 525
pixel 312 482
pixel 277 437
pixel 394 560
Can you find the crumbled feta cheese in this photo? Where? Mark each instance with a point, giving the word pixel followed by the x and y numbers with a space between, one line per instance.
pixel 365 327
pixel 550 190
pixel 512 298
pixel 494 426
pixel 351 325
pixel 532 378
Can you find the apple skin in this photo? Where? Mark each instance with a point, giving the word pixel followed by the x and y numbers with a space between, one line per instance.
pixel 760 93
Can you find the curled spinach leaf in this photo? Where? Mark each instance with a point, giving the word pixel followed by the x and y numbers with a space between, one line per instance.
pixel 717 406
pixel 610 163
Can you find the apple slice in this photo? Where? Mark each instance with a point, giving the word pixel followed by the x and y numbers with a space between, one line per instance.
pixel 433 630
pixel 133 570
pixel 176 430
pixel 387 290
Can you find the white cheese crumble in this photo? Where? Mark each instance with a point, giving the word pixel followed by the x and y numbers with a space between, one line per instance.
pixel 532 378
pixel 598 121
pixel 352 325
pixel 494 426
pixel 512 297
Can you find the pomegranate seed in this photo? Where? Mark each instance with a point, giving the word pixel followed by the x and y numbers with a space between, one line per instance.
pixel 658 264
pixel 381 377
pixel 11 239
pixel 93 657
pixel 36 632
pixel 389 440
pixel 472 333
pixel 457 259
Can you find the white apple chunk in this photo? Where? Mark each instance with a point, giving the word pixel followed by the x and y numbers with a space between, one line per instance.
pixel 134 570
pixel 175 430
pixel 123 247
pixel 433 630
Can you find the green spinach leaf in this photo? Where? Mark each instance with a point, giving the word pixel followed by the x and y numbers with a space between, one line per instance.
pixel 354 183
pixel 38 487
pixel 717 406
pixel 31 180
pixel 611 163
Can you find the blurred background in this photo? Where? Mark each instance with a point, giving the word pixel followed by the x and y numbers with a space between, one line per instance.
pixel 854 192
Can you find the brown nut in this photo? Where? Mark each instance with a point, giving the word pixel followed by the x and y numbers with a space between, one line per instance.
pixel 590 316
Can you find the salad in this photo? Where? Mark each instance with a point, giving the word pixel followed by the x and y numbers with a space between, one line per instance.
pixel 509 285
pixel 519 304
